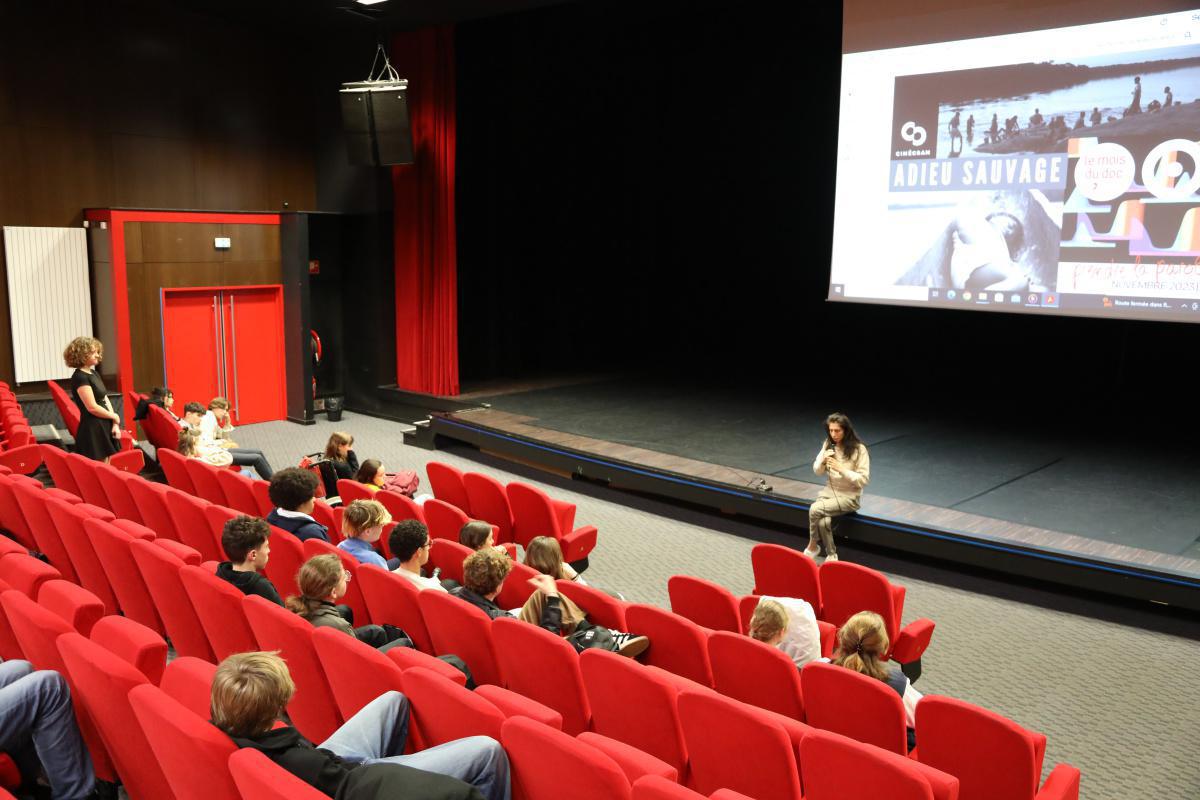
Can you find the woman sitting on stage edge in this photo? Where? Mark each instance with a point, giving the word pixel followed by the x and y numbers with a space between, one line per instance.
pixel 844 460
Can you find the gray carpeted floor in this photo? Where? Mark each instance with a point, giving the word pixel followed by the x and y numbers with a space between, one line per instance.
pixel 1116 701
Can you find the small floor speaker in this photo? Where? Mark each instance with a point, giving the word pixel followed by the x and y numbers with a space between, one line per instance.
pixel 376 124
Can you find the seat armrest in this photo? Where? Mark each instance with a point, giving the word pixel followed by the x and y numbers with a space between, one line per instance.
pixel 128 461
pixel 24 459
pixel 564 512
pixel 633 762
pixel 1061 784
pixel 64 495
pixel 913 640
pixel 578 543
pixel 944 785
pixel 512 704
pixel 828 638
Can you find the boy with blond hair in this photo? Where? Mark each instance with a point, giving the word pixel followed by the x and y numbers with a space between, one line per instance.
pixel 251 690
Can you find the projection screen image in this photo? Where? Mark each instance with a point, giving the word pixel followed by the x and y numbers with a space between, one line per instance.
pixel 1053 171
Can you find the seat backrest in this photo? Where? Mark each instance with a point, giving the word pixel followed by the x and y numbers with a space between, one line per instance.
pixel 218 604
pixel 544 667
pixel 313 709
pixel 489 502
pixel 33 503
pixel 191 525
pixel 830 762
pixel 161 429
pixel 843 701
pixel 544 759
pixel 755 673
pixel 26 574
pixel 60 471
pixel 66 406
pixel 160 571
pixel 77 606
pixel 69 520
pixel 238 493
pixel 350 490
pixel 705 603
pixel 152 503
pixel 783 572
pixel 457 627
pixel 448 556
pixel 194 754
pixel 635 705
pixel 447 485
pixel 84 471
pixel 112 545
pixel 392 599
pixel 444 520
pixel 679 645
pixel 189 681
pixel 36 629
pixel 533 513
pixel 102 682
pixel 174 466
pixel 993 757
pixel 735 746
pixel 516 588
pixel 12 518
pixel 656 787
pixel 356 672
pixel 400 506
pixel 325 515
pixel 601 608
pixel 116 487
pixel 447 711
pixel 262 493
pixel 204 478
pixel 217 516
pixel 261 778
pixel 847 589
pixel 354 596
pixel 287 554
pixel 134 643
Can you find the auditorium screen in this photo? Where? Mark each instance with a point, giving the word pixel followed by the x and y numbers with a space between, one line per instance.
pixel 1050 171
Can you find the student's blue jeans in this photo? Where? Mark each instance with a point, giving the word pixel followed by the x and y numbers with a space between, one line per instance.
pixel 376 734
pixel 36 717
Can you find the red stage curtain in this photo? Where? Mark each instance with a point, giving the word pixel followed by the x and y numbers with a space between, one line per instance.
pixel 426 258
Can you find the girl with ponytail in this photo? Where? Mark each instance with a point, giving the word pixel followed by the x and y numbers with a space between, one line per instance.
pixel 863 647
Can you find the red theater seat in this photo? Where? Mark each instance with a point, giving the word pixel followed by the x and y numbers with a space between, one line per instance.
pixel 218 604
pixel 755 673
pixel 34 508
pixel 489 502
pixel 705 603
pixel 543 760
pixel 152 501
pixel 536 514
pixel 843 701
pixel 260 778
pixel 356 672
pixel 447 485
pixel 287 554
pixel 189 682
pixel 174 467
pixel 448 556
pixel 830 762
pixel 204 478
pixel 351 490
pixel 444 520
pixel 77 606
pixel 849 588
pixel 993 757
pixel 457 627
pixel 70 520
pixel 120 496
pixel 601 608
pixel 446 711
pixel 193 754
pixel 783 572
pixel 238 493
pixel 26 574
pixel 400 506
pixel 160 571
pixel 60 470
pixel 136 644
pixel 393 600
pixel 677 644
pixel 544 667
pixel 192 526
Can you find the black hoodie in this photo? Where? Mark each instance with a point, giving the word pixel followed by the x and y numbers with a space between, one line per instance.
pixel 249 582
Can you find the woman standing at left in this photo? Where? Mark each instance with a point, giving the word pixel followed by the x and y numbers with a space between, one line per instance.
pixel 99 429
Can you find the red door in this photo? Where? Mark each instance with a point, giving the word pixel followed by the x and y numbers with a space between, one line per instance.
pixel 192 349
pixel 226 342
pixel 255 383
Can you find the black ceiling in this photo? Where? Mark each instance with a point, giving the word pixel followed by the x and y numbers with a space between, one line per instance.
pixel 390 15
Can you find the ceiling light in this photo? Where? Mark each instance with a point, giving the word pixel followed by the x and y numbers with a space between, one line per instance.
pixel 370 2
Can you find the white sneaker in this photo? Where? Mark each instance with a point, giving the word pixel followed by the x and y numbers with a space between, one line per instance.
pixel 812 552
pixel 831 557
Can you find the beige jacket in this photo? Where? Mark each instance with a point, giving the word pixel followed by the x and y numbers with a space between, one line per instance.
pixel 854 475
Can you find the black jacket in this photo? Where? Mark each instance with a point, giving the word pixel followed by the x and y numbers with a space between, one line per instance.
pixel 303 529
pixel 249 582
pixel 551 612
pixel 346 780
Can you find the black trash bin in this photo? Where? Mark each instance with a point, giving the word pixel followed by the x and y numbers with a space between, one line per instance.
pixel 334 407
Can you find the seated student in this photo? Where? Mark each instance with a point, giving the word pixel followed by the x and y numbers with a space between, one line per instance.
pixel 190 446
pixel 371 474
pixel 293 491
pixel 322 582
pixel 159 396
pixel 216 426
pixel 342 460
pixel 246 541
pixel 37 723
pixel 478 534
pixel 251 690
pixel 362 525
pixel 484 572
pixel 789 624
pixel 544 554
pixel 192 414
pixel 863 646
pixel 410 543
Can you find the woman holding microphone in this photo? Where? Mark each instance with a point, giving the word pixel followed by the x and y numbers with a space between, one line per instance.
pixel 843 459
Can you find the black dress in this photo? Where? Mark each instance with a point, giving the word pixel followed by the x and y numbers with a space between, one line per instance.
pixel 94 436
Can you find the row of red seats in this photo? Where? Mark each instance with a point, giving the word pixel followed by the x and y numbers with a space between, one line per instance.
pixel 119 700
pixel 18 451
pixel 70 414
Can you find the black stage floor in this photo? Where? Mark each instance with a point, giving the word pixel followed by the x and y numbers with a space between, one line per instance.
pixel 1108 479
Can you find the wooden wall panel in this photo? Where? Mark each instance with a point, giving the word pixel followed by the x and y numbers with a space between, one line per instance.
pixel 230 176
pixel 178 242
pixel 67 170
pixel 153 173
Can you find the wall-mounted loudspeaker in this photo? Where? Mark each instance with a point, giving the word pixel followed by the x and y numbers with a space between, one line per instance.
pixel 375 119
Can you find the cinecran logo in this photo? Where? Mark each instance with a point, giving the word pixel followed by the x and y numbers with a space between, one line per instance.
pixel 912 133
